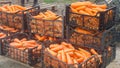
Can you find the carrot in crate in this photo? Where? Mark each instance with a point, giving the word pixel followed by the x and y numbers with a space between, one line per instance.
pixel 67 53
pixel 3 27
pixel 48 15
pixel 83 7
pixel 43 38
pixel 2 35
pixel 12 8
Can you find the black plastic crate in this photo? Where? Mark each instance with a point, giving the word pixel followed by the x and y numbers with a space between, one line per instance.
pixel 111 36
pixel 111 53
pixel 16 20
pixel 98 40
pixel 1 39
pixel 54 28
pixel 29 56
pixel 101 21
pixel 53 62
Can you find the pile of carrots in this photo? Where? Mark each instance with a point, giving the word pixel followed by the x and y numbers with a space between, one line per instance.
pixel 68 54
pixel 44 38
pixel 12 8
pixel 25 44
pixel 3 27
pixel 2 35
pixel 87 8
pixel 48 15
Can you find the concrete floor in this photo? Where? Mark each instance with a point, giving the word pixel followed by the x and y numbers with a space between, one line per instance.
pixel 9 63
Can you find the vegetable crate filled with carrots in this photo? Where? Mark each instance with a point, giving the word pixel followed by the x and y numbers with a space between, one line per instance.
pixel 14 16
pixel 86 38
pixel 61 54
pixel 3 34
pixel 22 48
pixel 101 40
pixel 90 16
pixel 46 25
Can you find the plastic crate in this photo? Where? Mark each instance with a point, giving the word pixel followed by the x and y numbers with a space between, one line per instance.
pixel 53 28
pixel 29 56
pixel 1 39
pixel 111 36
pixel 53 62
pixel 104 21
pixel 111 53
pixel 99 40
pixel 16 20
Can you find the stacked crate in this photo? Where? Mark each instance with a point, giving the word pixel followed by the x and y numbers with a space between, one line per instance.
pixel 95 28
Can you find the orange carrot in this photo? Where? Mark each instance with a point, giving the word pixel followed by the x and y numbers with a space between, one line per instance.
pixel 67 45
pixel 69 60
pixel 17 40
pixel 75 61
pixel 93 51
pixel 59 56
pixel 52 52
pixel 57 48
pixel 63 56
pixel 78 54
pixel 53 45
pixel 68 50
pixel 16 45
pixel 80 60
pixel 86 52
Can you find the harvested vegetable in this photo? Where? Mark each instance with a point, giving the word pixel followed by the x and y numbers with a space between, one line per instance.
pixel 87 8
pixel 67 53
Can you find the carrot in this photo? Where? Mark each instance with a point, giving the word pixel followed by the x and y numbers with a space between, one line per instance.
pixel 59 56
pixel 74 10
pixel 52 52
pixel 16 45
pixel 86 52
pixel 78 54
pixel 57 48
pixel 24 39
pixel 63 56
pixel 93 51
pixel 83 12
pixel 42 38
pixel 109 48
pixel 76 4
pixel 51 12
pixel 20 7
pixel 80 8
pixel 104 6
pixel 68 50
pixel 82 31
pixel 3 36
pixel 80 60
pixel 31 42
pixel 53 45
pixel 17 40
pixel 75 61
pixel 69 60
pixel 39 47
pixel 71 54
pixel 67 45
